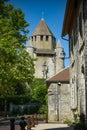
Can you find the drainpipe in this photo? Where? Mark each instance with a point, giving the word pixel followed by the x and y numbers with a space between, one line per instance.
pixel 67 41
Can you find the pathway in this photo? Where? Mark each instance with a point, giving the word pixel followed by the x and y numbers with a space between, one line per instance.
pixel 41 126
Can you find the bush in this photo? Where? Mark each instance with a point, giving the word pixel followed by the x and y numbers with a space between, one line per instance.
pixel 43 109
pixel 68 121
pixel 19 99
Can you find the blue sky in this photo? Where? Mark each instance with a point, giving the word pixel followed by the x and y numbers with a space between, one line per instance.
pixel 51 10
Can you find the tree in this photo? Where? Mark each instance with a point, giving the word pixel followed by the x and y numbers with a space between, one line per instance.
pixel 39 92
pixel 15 63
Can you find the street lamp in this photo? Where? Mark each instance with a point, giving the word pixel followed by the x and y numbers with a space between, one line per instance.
pixel 45 69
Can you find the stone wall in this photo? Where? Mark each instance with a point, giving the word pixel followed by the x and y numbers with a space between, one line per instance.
pixel 78 60
pixel 85 53
pixel 59 102
pixel 42 44
pixel 64 104
pixel 39 66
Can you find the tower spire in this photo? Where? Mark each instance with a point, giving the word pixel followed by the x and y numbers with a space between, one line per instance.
pixel 59 44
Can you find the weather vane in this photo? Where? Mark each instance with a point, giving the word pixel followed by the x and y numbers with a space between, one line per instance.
pixel 42 15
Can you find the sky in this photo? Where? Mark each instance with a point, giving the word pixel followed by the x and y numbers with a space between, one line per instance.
pixel 53 13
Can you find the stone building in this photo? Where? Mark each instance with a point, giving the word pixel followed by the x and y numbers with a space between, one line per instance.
pixel 49 55
pixel 75 25
pixel 59 96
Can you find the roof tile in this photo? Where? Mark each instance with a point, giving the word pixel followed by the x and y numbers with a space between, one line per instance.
pixel 62 76
pixel 42 29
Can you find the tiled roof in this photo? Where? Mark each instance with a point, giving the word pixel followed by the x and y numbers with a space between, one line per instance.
pixel 62 76
pixel 42 29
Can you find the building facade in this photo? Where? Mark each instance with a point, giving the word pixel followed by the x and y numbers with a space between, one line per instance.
pixel 59 96
pixel 75 25
pixel 49 63
pixel 49 55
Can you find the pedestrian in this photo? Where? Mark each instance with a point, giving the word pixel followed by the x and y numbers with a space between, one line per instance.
pixel 22 123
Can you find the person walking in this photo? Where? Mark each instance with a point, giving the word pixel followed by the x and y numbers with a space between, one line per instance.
pixel 22 123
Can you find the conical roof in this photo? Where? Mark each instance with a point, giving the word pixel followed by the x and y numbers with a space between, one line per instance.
pixel 42 29
pixel 59 45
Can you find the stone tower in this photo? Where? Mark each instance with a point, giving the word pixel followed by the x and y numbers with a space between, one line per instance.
pixel 42 46
pixel 30 49
pixel 60 55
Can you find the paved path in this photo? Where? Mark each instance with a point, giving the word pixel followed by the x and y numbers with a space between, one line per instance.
pixel 42 126
pixel 51 126
pixel 7 127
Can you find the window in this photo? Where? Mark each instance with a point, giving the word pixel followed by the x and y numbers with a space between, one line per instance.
pixel 75 4
pixel 41 37
pixel 46 38
pixel 35 38
pixel 45 55
pixel 32 38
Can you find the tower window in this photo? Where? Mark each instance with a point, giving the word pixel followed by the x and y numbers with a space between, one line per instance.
pixel 41 37
pixel 46 38
pixel 75 4
pixel 35 38
pixel 32 38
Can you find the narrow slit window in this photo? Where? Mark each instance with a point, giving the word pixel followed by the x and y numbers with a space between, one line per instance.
pixel 41 38
pixel 46 38
pixel 32 38
pixel 35 38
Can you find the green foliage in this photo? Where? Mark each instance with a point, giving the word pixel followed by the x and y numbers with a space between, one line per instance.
pixel 68 121
pixel 15 99
pixel 39 90
pixel 73 122
pixel 20 88
pixel 39 94
pixel 19 99
pixel 37 82
pixel 75 115
pixel 77 124
pixel 15 63
pixel 16 66
pixel 13 26
pixel 43 109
